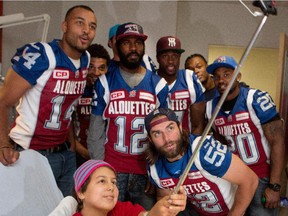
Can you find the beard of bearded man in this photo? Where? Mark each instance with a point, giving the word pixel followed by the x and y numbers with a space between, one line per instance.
pixel 176 152
pixel 128 64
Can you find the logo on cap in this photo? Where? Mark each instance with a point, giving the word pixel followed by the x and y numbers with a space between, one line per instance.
pixel 172 42
pixel 221 59
pixel 132 28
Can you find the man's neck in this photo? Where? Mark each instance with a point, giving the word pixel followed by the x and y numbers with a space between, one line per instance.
pixel 169 78
pixel 70 52
pixel 139 69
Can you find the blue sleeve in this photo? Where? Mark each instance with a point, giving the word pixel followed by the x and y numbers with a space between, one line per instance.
pixel 98 101
pixel 199 90
pixel 30 61
pixel 215 157
pixel 264 106
pixel 161 85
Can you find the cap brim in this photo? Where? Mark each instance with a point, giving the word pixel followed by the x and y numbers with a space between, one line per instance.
pixel 142 36
pixel 211 68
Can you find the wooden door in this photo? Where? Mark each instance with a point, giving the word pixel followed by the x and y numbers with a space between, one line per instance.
pixel 282 100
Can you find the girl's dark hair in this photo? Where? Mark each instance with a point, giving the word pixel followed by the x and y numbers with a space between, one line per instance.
pixel 82 190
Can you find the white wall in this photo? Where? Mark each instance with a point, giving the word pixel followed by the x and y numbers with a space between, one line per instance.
pixel 196 23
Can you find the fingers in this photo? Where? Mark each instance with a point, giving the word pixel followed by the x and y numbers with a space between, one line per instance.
pixel 8 156
pixel 178 201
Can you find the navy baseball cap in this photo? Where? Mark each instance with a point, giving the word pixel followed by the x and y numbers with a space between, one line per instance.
pixel 169 43
pixel 112 32
pixel 130 29
pixel 170 114
pixel 222 61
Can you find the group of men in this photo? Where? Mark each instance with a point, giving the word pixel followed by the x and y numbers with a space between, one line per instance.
pixel 142 116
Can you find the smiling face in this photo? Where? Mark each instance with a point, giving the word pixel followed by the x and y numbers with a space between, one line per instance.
pixel 166 136
pixel 198 65
pixel 97 67
pixel 102 193
pixel 79 30
pixel 222 77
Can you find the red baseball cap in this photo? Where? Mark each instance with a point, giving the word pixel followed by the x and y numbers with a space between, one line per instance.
pixel 169 43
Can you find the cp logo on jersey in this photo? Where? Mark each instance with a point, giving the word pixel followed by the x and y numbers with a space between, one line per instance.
pixel 167 182
pixel 219 121
pixel 61 74
pixel 117 95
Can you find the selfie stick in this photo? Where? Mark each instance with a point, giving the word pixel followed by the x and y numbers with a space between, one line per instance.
pixel 267 8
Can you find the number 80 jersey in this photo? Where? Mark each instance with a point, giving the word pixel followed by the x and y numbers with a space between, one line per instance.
pixel 45 110
pixel 242 127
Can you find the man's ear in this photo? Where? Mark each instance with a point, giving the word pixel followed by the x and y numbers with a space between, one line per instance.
pixel 239 77
pixel 64 26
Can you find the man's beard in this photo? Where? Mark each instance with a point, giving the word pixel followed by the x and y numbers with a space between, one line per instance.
pixel 128 64
pixel 176 152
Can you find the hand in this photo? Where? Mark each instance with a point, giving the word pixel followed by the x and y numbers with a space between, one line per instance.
pixel 170 205
pixel 8 155
pixel 272 198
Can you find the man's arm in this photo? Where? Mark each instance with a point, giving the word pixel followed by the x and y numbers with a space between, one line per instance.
pixel 247 181
pixel 274 133
pixel 197 114
pixel 96 137
pixel 12 90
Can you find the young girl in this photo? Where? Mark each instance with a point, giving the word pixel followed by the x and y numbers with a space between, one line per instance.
pixel 97 194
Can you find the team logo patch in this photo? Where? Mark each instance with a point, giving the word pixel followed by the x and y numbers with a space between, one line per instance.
pixel 167 183
pixel 146 96
pixel 60 74
pixel 132 93
pixel 85 101
pixel 195 175
pixel 84 73
pixel 230 118
pixel 77 74
pixel 117 95
pixel 219 121
pixel 242 116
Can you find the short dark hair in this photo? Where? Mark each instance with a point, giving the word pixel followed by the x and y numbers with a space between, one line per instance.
pixel 193 56
pixel 98 51
pixel 77 6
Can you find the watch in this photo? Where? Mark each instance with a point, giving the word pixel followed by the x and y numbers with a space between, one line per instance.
pixel 275 187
